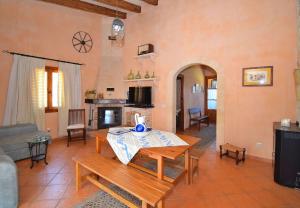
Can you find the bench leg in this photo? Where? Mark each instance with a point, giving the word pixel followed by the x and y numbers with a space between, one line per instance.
pixel 160 168
pixel 78 176
pixel 244 155
pixel 161 204
pixel 237 157
pixel 221 152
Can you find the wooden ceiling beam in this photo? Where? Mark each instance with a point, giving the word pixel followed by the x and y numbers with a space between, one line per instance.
pixel 152 2
pixel 122 4
pixel 88 7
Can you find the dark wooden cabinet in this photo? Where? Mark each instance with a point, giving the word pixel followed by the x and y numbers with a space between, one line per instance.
pixel 287 155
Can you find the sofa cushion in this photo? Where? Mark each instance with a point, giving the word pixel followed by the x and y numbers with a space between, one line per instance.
pixel 8 183
pixel 19 154
pixel 17 129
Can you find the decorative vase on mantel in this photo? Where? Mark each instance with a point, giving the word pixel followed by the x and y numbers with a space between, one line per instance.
pixel 138 75
pixel 153 76
pixel 130 75
pixel 147 76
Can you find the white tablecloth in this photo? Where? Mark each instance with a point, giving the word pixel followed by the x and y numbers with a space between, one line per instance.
pixel 127 145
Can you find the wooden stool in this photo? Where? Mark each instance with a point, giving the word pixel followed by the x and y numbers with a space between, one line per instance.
pixel 234 149
pixel 194 163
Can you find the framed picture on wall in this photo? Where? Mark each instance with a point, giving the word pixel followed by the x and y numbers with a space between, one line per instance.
pixel 258 76
pixel 196 88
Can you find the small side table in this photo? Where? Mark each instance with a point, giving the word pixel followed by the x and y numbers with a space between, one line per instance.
pixel 38 149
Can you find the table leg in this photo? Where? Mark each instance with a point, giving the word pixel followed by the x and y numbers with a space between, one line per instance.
pixel 78 176
pixel 187 166
pixel 144 204
pixel 192 169
pixel 98 144
pixel 160 168
pixel 161 204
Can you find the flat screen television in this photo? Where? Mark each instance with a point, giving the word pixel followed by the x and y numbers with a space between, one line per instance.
pixel 140 96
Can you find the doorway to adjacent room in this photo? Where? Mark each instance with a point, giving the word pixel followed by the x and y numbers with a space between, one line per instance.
pixel 196 87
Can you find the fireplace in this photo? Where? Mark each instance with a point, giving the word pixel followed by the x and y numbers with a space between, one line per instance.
pixel 109 117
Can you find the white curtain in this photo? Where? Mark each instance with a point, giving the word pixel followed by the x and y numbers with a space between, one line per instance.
pixel 39 94
pixel 25 96
pixel 69 91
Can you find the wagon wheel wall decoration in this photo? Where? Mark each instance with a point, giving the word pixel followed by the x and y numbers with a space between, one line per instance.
pixel 82 42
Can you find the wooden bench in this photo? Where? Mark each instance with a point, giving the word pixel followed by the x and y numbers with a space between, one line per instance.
pixel 231 148
pixel 150 190
pixel 196 116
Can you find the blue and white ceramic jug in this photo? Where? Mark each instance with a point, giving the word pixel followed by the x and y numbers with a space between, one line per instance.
pixel 140 124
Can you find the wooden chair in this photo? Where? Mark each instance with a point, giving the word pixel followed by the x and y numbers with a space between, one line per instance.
pixel 196 116
pixel 76 122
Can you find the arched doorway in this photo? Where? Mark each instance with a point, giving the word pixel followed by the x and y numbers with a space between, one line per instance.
pixel 196 104
pixel 172 77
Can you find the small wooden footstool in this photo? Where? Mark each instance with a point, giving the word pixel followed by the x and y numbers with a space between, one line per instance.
pixel 234 149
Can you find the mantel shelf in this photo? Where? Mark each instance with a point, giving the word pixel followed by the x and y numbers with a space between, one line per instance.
pixel 139 80
pixel 145 56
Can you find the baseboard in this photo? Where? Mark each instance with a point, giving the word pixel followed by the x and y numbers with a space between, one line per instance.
pixel 262 159
pixel 253 157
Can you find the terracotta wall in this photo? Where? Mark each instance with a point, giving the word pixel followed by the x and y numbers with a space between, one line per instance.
pixel 44 29
pixel 227 36
pixel 192 75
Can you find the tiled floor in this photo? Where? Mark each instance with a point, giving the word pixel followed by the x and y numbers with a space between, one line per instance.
pixel 220 184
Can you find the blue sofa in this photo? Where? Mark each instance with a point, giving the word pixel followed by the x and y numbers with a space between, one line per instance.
pixel 13 146
pixel 13 139
pixel 8 182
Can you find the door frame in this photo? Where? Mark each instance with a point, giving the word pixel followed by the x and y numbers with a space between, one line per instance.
pixel 181 114
pixel 205 90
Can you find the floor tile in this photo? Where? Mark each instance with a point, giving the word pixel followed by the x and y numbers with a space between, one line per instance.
pixel 243 200
pixel 44 204
pixel 29 193
pixel 62 179
pixel 52 192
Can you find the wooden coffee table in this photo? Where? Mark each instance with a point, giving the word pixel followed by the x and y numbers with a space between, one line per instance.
pixel 159 154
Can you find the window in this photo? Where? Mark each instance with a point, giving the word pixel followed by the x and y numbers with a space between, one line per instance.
pixel 51 81
pixel 212 94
